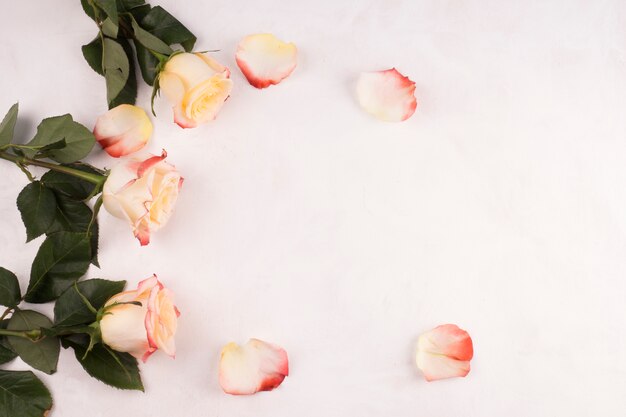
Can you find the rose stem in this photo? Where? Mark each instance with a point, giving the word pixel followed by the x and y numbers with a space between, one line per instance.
pixel 20 160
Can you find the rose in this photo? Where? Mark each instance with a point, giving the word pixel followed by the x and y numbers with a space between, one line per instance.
pixel 144 192
pixel 196 85
pixel 141 329
pixel 123 130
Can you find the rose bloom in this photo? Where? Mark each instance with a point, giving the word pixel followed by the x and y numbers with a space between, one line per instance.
pixel 141 330
pixel 123 130
pixel 143 192
pixel 196 85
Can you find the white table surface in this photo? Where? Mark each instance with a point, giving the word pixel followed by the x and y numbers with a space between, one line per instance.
pixel 499 206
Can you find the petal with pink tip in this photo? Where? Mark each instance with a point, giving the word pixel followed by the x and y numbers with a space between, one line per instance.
pixel 444 352
pixel 253 367
pixel 123 130
pixel 265 60
pixel 388 95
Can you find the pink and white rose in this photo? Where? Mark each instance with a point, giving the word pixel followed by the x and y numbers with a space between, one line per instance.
pixel 141 329
pixel 196 85
pixel 143 192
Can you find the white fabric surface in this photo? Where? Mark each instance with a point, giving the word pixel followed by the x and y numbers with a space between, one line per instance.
pixel 303 221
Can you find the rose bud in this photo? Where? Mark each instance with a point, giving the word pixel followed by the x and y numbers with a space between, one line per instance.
pixel 141 329
pixel 123 130
pixel 143 192
pixel 196 85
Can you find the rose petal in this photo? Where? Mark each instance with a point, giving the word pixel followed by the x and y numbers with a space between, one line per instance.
pixel 123 130
pixel 190 68
pixel 253 367
pixel 265 60
pixel 388 95
pixel 171 86
pixel 444 352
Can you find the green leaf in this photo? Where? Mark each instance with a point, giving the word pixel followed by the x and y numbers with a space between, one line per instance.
pixel 116 68
pixel 7 353
pixel 93 54
pixel 128 94
pixel 75 216
pixel 140 12
pixel 42 354
pixel 22 394
pixel 79 140
pixel 37 206
pixel 109 28
pixel 148 40
pixel 71 215
pixel 167 28
pixel 9 288
pixel 128 5
pixel 88 9
pixel 8 124
pixel 147 63
pixel 94 235
pixel 43 151
pixel 71 310
pixel 110 8
pixel 62 259
pixel 116 369
pixel 70 185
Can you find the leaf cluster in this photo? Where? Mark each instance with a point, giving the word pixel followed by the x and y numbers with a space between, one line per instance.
pixel 131 33
pixel 56 206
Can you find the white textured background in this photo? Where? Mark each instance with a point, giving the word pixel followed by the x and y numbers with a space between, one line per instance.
pixel 500 206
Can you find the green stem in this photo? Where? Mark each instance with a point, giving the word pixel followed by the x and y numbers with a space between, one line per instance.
pixel 26 334
pixel 26 172
pixel 65 331
pixel 82 297
pixel 6 313
pixel 21 160
pixel 161 57
pixel 94 215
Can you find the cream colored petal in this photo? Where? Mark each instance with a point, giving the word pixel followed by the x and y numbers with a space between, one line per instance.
pixel 388 95
pixel 203 102
pixel 171 86
pixel 163 321
pixel 124 329
pixel 190 68
pixel 253 367
pixel 120 120
pixel 444 352
pixel 265 60
pixel 120 176
pixel 213 64
pixel 436 367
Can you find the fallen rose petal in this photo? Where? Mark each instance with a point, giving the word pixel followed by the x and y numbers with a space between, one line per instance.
pixel 123 130
pixel 265 60
pixel 388 95
pixel 444 352
pixel 253 367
